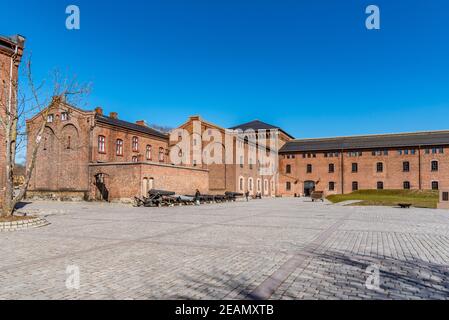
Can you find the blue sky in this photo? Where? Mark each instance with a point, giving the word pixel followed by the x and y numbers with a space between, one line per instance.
pixel 310 67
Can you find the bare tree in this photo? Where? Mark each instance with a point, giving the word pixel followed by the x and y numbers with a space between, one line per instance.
pixel 21 100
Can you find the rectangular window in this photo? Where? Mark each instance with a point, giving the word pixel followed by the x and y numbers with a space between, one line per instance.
pixel 355 186
pixel 288 169
pixel 149 152
pixel 406 166
pixel 427 151
pixel 440 150
pixel 355 167
pixel 135 144
pixel 380 185
pixel 434 166
pixel 435 185
pixel 380 167
pixel 119 147
pixel 406 185
pixel 445 196
pixel 288 186
pixel 101 144
pixel 331 186
pixel 161 155
pixel 331 168
pixel 309 168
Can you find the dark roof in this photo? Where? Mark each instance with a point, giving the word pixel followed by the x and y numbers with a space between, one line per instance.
pixel 258 125
pixel 129 126
pixel 10 42
pixel 431 138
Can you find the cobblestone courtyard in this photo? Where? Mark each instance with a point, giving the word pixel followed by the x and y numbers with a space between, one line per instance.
pixel 272 248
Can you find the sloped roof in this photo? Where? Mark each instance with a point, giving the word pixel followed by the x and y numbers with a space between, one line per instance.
pixel 429 138
pixel 258 125
pixel 130 126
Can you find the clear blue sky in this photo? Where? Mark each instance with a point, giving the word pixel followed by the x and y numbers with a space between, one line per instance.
pixel 310 67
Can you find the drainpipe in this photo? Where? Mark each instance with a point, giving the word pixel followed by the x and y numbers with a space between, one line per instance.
pixel 419 170
pixel 342 172
pixel 13 57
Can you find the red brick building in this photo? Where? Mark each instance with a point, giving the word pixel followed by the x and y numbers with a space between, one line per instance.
pixel 242 172
pixel 417 161
pixel 11 51
pixel 88 155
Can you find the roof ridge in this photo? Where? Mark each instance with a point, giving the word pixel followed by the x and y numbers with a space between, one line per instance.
pixel 373 135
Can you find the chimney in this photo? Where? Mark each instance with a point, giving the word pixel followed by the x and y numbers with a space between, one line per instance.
pixel 99 111
pixel 113 115
pixel 142 123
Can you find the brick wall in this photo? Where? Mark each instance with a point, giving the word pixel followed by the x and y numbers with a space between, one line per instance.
pixel 124 181
pixel 63 156
pixel 392 176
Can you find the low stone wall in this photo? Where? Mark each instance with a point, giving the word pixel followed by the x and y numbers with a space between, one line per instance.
pixel 56 195
pixel 23 224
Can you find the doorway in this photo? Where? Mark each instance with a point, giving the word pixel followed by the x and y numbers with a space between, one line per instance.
pixel 309 187
pixel 102 192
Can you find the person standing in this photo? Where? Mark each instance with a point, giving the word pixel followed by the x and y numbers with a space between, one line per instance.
pixel 197 197
pixel 247 196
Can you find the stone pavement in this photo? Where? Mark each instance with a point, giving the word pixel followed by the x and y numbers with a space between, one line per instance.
pixel 271 248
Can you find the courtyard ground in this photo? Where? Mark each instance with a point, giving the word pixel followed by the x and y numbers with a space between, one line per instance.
pixel 269 249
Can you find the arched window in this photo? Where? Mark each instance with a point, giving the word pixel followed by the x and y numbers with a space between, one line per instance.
pixel 69 138
pixel 241 184
pixel 145 187
pixel 161 154
pixel 135 144
pixel 259 185
pixel 148 152
pixel 250 184
pixel 265 186
pixel 101 144
pixel 119 147
pixel 135 159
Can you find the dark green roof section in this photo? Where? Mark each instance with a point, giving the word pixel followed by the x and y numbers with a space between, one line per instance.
pixel 399 140
pixel 130 126
pixel 258 125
